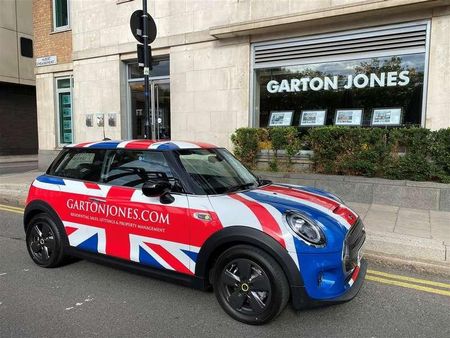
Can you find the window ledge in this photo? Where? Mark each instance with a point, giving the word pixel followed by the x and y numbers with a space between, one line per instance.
pixel 61 30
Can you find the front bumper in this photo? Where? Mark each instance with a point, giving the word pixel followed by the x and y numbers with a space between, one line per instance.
pixel 301 300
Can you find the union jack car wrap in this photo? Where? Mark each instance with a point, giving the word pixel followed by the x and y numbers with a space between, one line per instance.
pixel 182 236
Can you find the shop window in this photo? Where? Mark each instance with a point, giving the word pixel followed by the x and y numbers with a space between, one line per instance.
pixel 60 15
pixel 364 84
pixel 26 47
pixel 64 101
pixel 373 76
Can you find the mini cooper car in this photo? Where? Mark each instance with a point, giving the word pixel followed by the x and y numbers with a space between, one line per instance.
pixel 191 212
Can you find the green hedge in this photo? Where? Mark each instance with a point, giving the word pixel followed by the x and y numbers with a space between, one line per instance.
pixel 402 153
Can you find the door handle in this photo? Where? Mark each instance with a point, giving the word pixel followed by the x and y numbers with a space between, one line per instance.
pixel 97 200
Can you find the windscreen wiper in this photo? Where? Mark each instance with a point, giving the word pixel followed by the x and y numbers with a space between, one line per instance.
pixel 239 187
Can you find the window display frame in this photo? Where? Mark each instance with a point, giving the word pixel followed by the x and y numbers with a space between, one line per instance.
pixel 281 112
pixel 312 125
pixel 361 110
pixel 386 125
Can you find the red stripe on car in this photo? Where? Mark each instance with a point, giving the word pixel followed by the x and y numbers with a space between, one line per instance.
pixel 355 274
pixel 81 145
pixel 91 185
pixel 304 195
pixel 70 230
pixel 139 144
pixel 346 214
pixel 204 145
pixel 268 222
pixel 169 258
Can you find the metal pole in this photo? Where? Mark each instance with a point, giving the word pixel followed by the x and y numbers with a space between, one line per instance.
pixel 146 71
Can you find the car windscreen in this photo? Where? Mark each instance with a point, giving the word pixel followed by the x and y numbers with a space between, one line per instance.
pixel 216 171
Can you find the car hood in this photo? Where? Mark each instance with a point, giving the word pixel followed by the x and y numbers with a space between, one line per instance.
pixel 328 211
pixel 317 204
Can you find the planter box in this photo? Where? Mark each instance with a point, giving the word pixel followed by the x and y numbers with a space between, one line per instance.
pixel 300 163
pixel 402 193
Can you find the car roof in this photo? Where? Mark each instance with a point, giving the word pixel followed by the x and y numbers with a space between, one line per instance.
pixel 143 144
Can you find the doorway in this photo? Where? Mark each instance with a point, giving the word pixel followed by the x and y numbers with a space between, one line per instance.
pixel 159 101
pixel 159 109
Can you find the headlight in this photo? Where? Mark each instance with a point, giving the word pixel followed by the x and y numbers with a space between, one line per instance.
pixel 305 228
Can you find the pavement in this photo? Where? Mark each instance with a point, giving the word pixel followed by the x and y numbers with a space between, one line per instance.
pixel 85 299
pixel 414 238
pixel 18 163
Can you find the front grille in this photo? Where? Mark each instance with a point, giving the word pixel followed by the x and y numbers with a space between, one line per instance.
pixel 353 242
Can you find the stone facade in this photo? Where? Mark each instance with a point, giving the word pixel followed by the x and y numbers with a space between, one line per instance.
pixel 438 101
pixel 17 80
pixel 15 23
pixel 209 46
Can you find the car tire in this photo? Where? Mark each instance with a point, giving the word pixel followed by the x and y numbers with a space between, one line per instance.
pixel 44 242
pixel 250 285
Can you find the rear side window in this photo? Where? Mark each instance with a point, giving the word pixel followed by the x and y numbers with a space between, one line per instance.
pixel 81 164
pixel 131 168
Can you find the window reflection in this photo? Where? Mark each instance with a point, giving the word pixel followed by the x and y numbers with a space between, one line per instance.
pixel 394 81
pixel 161 67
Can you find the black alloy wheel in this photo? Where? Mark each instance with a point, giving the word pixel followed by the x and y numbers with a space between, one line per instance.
pixel 44 242
pixel 246 286
pixel 249 285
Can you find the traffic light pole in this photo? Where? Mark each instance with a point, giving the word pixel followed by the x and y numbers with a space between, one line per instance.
pixel 146 70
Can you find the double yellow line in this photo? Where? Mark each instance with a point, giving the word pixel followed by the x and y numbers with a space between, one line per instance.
pixel 409 282
pixel 11 209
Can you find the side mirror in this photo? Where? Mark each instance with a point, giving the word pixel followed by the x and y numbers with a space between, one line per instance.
pixel 158 188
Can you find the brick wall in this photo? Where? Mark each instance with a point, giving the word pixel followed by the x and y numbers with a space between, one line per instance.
pixel 45 41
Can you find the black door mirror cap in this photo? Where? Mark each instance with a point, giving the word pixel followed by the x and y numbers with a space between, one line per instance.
pixel 166 198
pixel 156 187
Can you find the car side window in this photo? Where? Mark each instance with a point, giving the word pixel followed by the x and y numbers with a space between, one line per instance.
pixel 81 164
pixel 132 168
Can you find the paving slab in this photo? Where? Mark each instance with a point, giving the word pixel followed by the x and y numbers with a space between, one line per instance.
pixel 406 246
pixel 360 208
pixel 381 218
pixel 443 216
pixel 413 222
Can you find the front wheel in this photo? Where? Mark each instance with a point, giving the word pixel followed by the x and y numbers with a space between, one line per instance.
pixel 44 243
pixel 250 285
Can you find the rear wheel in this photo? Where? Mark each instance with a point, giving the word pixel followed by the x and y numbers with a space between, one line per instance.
pixel 44 242
pixel 250 285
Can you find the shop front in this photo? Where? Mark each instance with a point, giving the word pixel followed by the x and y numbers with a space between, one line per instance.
pixel 366 77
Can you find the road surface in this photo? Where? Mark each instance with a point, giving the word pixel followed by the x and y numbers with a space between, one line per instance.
pixel 85 299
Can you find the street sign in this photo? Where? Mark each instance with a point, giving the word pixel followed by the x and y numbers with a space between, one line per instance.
pixel 46 61
pixel 137 26
pixel 141 57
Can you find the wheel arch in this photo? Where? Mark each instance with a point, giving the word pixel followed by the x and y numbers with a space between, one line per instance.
pixel 37 207
pixel 235 235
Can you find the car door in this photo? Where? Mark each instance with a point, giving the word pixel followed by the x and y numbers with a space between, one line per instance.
pixel 141 228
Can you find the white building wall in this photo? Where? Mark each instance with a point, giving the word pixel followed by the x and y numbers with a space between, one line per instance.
pixel 96 91
pixel 46 111
pixel 209 90
pixel 209 77
pixel 438 100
